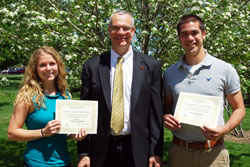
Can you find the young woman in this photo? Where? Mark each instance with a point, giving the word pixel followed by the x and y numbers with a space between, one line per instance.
pixel 44 82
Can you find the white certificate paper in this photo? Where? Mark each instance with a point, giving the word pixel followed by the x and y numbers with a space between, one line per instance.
pixel 77 114
pixel 198 110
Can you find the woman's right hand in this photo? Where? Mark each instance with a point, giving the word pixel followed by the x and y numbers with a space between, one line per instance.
pixel 51 128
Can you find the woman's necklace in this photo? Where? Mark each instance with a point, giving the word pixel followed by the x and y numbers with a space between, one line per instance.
pixel 50 92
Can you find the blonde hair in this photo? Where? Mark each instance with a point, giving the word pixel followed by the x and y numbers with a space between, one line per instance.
pixel 31 86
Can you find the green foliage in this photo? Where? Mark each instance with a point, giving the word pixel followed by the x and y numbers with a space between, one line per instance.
pixel 11 153
pixel 8 95
pixel 239 154
pixel 78 29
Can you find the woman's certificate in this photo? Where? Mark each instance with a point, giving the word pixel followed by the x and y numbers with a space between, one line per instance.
pixel 77 114
pixel 198 110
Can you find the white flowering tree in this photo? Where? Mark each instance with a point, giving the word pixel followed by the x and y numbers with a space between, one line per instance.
pixel 78 29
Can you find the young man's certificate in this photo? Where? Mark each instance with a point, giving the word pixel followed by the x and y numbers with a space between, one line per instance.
pixel 77 114
pixel 198 110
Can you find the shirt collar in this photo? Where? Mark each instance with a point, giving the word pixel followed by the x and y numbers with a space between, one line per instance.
pixel 207 61
pixel 127 55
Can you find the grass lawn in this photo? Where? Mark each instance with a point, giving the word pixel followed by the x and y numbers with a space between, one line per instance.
pixel 11 152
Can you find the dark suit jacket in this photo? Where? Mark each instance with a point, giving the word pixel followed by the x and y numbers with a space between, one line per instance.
pixel 146 108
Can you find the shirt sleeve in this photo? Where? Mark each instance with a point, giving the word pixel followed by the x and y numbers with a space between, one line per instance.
pixel 232 84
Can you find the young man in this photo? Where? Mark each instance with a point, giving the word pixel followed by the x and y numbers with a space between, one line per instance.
pixel 200 73
pixel 130 88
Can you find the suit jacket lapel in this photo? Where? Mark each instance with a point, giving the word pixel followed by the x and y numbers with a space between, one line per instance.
pixel 104 74
pixel 138 66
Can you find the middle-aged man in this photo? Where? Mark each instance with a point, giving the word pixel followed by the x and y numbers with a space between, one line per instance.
pixel 200 73
pixel 130 89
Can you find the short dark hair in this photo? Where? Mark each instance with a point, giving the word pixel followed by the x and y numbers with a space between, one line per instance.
pixel 189 18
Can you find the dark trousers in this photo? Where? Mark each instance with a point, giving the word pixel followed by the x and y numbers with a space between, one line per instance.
pixel 120 152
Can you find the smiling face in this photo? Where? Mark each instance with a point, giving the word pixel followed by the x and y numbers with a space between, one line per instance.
pixel 121 33
pixel 47 68
pixel 191 38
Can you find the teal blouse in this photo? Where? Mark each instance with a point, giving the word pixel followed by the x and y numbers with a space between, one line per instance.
pixel 46 151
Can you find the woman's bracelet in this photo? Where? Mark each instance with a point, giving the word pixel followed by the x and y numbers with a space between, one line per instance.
pixel 43 134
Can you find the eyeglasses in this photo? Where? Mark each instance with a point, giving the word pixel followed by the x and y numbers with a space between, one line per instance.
pixel 117 28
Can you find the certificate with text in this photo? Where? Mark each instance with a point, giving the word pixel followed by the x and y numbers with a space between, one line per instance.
pixel 77 114
pixel 198 110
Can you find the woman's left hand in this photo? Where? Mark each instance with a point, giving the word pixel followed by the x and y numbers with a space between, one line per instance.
pixel 82 133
